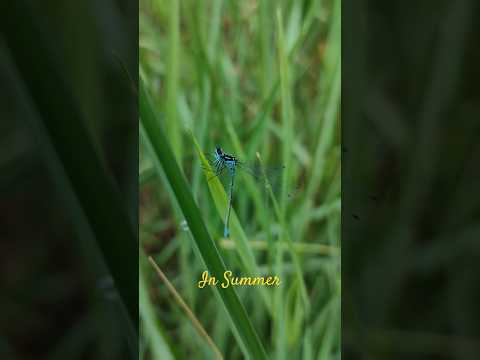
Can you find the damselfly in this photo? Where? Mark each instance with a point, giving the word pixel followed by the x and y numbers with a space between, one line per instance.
pixel 223 163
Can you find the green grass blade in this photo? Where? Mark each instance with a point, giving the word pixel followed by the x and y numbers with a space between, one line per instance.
pixel 287 110
pixel 158 344
pixel 206 246
pixel 173 123
pixel 243 247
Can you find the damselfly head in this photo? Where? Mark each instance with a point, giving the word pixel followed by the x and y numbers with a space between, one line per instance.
pixel 218 150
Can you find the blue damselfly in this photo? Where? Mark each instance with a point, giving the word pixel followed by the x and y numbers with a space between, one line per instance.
pixel 226 164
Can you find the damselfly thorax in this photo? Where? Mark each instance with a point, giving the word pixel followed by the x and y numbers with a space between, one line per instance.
pixel 223 159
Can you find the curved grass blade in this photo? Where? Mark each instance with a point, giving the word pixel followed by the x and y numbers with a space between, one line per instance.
pixel 157 341
pixel 220 200
pixel 183 305
pixel 206 246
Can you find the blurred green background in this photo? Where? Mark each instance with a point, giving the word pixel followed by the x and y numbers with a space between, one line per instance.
pixel 410 171
pixel 251 76
pixel 68 175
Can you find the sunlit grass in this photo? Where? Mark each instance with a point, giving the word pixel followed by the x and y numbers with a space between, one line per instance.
pixel 253 77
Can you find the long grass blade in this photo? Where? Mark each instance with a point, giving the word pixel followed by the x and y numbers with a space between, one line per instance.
pixel 206 246
pixel 196 323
